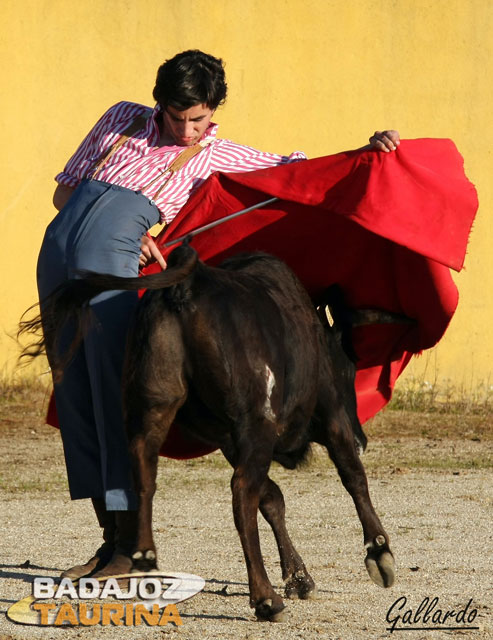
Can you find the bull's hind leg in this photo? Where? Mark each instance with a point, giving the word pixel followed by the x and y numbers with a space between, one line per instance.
pixel 134 544
pixel 249 476
pixel 340 443
pixel 144 451
pixel 298 582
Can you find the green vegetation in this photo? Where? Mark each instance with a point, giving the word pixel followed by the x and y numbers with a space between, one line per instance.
pixel 417 431
pixel 421 395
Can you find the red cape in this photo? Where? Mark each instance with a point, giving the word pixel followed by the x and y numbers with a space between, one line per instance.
pixel 386 227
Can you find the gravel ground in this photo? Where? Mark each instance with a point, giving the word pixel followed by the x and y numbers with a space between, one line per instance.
pixel 435 500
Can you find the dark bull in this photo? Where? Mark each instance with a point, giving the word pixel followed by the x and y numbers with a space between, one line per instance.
pixel 239 356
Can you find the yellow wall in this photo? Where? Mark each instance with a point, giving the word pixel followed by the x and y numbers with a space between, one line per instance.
pixel 317 75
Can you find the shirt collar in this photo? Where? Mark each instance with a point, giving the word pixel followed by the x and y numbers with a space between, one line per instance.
pixel 210 132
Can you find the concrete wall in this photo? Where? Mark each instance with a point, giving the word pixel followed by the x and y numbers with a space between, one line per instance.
pixel 318 75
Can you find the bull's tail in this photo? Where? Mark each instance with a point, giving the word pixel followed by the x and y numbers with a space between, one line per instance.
pixel 70 301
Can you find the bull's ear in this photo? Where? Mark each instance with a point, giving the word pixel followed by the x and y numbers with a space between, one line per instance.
pixel 327 319
pixel 339 327
pixel 339 318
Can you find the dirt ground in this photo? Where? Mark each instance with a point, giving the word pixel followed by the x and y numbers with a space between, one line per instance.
pixel 431 481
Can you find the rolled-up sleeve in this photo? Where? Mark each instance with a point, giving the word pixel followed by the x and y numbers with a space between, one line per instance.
pixel 231 157
pixel 104 132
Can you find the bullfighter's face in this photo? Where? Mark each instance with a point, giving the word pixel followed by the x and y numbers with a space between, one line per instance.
pixel 187 127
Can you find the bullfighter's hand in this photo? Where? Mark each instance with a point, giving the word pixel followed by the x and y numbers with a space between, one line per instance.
pixel 150 253
pixel 386 141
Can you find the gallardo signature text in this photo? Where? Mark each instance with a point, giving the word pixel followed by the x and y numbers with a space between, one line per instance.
pixel 428 615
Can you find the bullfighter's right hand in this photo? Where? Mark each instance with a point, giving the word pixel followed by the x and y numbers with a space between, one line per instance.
pixel 150 252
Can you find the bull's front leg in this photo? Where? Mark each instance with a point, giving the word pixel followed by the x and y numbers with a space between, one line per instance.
pixel 246 484
pixel 379 560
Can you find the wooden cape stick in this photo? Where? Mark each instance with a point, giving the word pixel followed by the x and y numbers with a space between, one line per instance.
pixel 220 221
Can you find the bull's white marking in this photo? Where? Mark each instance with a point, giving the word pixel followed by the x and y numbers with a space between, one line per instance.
pixel 270 384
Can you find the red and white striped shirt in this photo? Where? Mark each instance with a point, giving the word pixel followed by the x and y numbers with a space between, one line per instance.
pixel 140 162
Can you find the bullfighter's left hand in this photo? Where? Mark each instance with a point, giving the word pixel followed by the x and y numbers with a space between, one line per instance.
pixel 386 141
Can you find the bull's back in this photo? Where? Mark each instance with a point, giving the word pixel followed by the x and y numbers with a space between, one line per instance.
pixel 239 340
pixel 255 327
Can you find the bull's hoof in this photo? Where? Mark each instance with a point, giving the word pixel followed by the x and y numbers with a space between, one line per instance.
pixel 99 560
pixel 300 585
pixel 267 611
pixel 144 560
pixel 380 563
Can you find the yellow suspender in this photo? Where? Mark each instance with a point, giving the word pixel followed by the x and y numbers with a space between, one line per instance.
pixel 133 127
pixel 176 165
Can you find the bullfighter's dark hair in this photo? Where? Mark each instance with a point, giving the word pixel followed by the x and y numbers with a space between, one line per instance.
pixel 190 78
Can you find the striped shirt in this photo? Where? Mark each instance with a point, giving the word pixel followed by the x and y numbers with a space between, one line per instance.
pixel 140 164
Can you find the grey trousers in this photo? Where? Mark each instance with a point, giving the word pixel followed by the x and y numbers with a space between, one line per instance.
pixel 99 230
